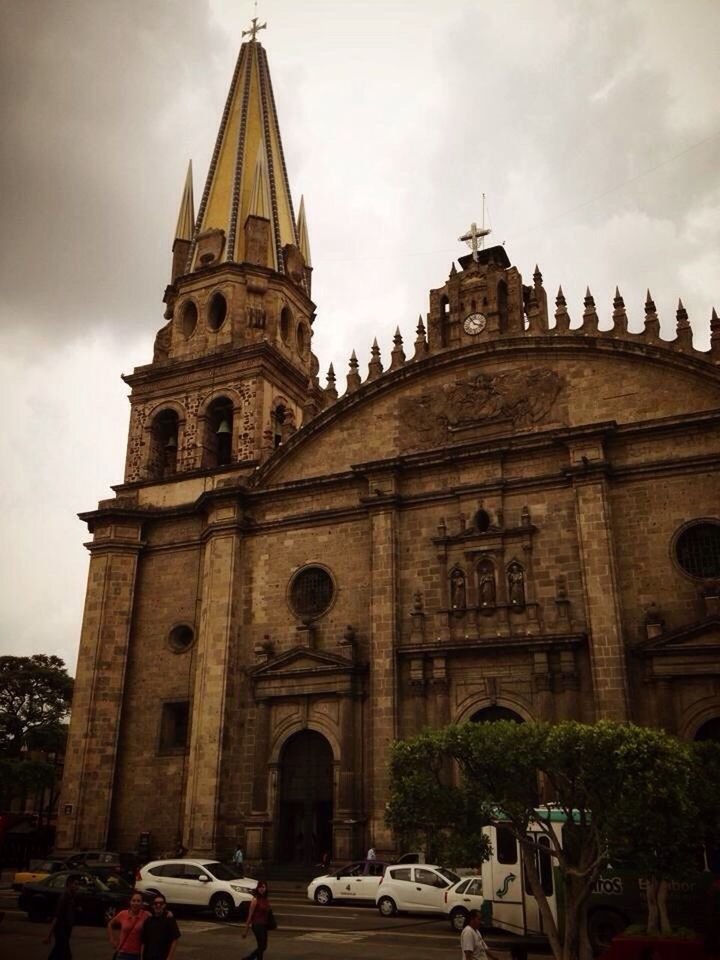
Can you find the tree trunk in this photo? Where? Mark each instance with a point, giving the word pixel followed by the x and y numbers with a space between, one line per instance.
pixel 662 895
pixel 653 918
pixel 549 925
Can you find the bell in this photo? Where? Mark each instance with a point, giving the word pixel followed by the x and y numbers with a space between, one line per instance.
pixel 171 443
pixel 224 426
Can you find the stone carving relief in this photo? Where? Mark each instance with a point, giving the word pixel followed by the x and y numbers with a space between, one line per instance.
pixel 521 398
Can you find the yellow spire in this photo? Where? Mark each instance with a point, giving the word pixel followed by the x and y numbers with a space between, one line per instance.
pixel 302 232
pixel 186 217
pixel 248 151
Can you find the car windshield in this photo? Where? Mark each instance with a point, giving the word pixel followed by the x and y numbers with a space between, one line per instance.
pixel 448 874
pixel 221 871
pixel 113 884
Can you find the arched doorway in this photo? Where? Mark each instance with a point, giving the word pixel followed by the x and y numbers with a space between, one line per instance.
pixel 494 713
pixel 305 807
pixel 710 730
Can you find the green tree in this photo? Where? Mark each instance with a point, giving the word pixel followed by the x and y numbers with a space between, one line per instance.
pixel 604 777
pixel 35 696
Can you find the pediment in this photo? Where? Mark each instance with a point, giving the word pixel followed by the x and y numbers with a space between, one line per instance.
pixel 700 638
pixel 302 661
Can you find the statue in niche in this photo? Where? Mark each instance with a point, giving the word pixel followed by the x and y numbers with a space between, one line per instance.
pixel 458 599
pixel 516 584
pixel 486 584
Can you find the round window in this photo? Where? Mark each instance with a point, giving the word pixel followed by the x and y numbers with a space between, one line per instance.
pixel 311 592
pixel 217 311
pixel 697 550
pixel 181 638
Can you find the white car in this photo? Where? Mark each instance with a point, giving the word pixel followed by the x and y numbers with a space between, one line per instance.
pixel 205 884
pixel 461 898
pixel 416 889
pixel 356 881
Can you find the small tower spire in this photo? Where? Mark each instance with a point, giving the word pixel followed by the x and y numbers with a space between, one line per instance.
pixel 353 377
pixel 302 232
pixel 185 227
pixel 260 203
pixel 421 344
pixel 590 317
pixel 652 323
pixel 562 318
pixel 375 367
pixel 715 334
pixel 620 321
pixel 683 328
pixel 397 357
pixel 331 390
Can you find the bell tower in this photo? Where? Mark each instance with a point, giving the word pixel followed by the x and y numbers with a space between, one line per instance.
pixel 233 372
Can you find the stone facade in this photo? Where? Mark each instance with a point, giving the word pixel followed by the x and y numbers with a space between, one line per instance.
pixel 493 524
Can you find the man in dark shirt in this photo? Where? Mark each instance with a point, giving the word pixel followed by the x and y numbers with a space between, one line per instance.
pixel 160 932
pixel 62 924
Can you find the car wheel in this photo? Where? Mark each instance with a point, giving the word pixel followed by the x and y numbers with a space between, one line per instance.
pixel 387 906
pixel 222 906
pixel 458 918
pixel 323 896
pixel 602 926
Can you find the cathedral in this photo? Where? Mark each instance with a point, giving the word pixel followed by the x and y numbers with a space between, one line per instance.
pixel 515 516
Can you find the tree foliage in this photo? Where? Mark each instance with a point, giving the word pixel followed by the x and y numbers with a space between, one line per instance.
pixel 35 696
pixel 621 788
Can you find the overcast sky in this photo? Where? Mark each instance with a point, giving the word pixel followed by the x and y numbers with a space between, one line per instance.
pixel 593 128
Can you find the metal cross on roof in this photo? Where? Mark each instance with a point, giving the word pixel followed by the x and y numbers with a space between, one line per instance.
pixel 254 29
pixel 474 234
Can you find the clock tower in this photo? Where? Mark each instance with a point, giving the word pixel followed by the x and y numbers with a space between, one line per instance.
pixel 483 300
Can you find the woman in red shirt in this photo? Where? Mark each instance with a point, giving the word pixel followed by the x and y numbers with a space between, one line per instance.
pixel 258 917
pixel 125 929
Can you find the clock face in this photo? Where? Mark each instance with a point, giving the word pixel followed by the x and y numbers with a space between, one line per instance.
pixel 474 324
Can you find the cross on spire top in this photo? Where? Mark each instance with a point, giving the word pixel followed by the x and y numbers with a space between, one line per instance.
pixel 254 29
pixel 476 233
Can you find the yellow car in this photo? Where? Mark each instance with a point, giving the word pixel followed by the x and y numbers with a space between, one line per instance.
pixel 36 871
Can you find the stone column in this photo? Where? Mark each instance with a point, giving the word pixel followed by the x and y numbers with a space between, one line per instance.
pixel 382 705
pixel 220 571
pixel 597 556
pixel 85 802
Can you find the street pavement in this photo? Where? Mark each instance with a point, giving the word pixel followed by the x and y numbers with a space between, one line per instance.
pixel 305 930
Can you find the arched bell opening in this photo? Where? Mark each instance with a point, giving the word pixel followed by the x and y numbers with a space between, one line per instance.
pixel 305 799
pixel 164 438
pixel 218 434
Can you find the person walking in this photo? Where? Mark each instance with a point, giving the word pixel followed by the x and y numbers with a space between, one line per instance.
pixel 63 921
pixel 371 854
pixel 472 945
pixel 238 858
pixel 259 918
pixel 160 932
pixel 125 929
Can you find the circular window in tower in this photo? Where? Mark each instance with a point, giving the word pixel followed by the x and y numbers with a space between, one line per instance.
pixel 311 592
pixel 181 638
pixel 217 311
pixel 697 549
pixel 188 318
pixel 286 319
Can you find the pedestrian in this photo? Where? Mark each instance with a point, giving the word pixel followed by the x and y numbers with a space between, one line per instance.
pixel 160 932
pixel 371 854
pixel 238 859
pixel 472 945
pixel 125 929
pixel 64 919
pixel 260 919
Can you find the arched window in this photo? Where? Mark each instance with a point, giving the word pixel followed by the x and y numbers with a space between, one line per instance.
pixel 502 305
pixel 217 445
pixel 458 590
pixel 286 324
pixel 487 591
pixel 444 321
pixel 516 584
pixel 278 421
pixel 482 521
pixel 495 713
pixel 162 460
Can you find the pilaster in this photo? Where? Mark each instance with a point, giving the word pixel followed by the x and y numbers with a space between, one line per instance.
pixel 85 803
pixel 220 573
pixel 589 472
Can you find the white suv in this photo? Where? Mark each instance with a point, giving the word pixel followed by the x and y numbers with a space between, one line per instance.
pixel 417 889
pixel 205 884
